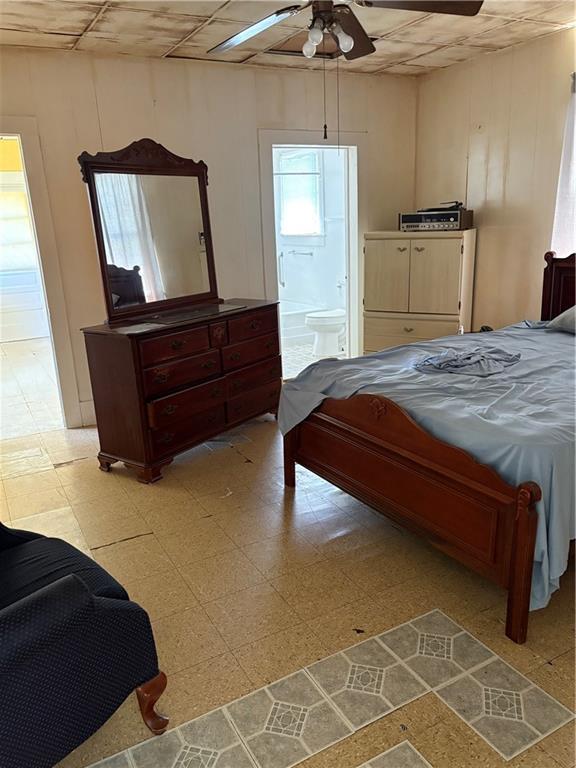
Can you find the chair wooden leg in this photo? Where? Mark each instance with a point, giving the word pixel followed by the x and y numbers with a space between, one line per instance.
pixel 148 694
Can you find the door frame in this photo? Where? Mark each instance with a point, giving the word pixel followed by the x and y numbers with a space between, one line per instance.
pixel 26 129
pixel 356 140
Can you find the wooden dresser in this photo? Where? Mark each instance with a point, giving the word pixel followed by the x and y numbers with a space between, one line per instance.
pixel 418 285
pixel 159 390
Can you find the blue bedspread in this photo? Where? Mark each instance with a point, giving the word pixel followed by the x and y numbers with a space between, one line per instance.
pixel 519 421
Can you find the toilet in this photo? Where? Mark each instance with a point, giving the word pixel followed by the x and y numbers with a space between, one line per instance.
pixel 328 326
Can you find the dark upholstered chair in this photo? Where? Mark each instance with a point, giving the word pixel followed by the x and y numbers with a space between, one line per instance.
pixel 72 648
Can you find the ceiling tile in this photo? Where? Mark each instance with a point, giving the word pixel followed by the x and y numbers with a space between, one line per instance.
pixel 292 62
pixel 189 7
pixel 390 52
pixel 435 29
pixel 511 34
pixel 407 69
pixel 102 42
pixel 445 57
pixel 244 10
pixel 565 13
pixel 379 21
pixel 36 39
pixel 236 55
pixel 47 16
pixel 515 9
pixel 148 25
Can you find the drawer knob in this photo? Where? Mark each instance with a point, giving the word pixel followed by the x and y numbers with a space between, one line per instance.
pixel 161 376
pixel 419 248
pixel 269 344
pixel 402 248
pixel 166 437
pixel 408 330
pixel 169 410
pixel 177 344
pixel 255 324
pixel 208 364
pixel 235 356
pixel 211 419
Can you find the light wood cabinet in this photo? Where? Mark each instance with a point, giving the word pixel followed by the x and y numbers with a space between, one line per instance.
pixel 417 286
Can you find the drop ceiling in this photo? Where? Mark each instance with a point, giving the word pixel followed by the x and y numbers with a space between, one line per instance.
pixel 407 43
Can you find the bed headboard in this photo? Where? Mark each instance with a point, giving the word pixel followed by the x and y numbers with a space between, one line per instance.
pixel 558 291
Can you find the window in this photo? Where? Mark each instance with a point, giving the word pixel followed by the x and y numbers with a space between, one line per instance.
pixel 298 176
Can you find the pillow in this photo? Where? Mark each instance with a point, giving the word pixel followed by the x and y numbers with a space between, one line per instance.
pixel 564 322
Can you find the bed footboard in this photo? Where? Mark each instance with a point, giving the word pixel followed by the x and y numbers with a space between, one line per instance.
pixel 369 447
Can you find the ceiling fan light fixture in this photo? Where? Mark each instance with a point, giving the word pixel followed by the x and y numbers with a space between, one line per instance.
pixel 345 41
pixel 309 49
pixel 316 33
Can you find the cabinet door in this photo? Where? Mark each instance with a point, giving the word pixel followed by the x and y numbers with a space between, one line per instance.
pixel 386 275
pixel 435 276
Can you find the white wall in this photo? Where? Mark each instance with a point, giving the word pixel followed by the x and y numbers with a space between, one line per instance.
pixel 210 112
pixel 490 134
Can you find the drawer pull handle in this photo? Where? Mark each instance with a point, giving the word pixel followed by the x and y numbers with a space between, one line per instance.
pixel 270 344
pixel 402 249
pixel 217 392
pixel 211 419
pixel 419 248
pixel 161 376
pixel 177 344
pixel 408 330
pixel 235 356
pixel 167 437
pixel 169 410
pixel 208 364
pixel 255 324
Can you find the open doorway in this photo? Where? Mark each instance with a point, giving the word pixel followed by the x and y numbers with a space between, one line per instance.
pixel 313 223
pixel 29 396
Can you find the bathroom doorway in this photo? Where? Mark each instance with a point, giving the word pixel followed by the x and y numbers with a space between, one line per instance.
pixel 313 232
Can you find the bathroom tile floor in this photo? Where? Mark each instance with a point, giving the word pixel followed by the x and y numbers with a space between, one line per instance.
pixel 313 573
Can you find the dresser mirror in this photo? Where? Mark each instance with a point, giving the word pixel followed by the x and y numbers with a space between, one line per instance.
pixel 152 227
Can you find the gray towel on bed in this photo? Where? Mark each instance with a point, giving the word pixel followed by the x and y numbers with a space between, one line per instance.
pixel 474 362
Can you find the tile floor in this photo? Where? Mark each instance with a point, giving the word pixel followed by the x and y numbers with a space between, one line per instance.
pixel 246 583
pixel 29 401
pixel 297 357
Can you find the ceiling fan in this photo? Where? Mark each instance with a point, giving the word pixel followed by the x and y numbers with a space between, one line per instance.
pixel 338 21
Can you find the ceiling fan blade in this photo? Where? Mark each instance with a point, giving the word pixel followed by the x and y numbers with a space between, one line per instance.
pixel 455 7
pixel 257 28
pixel 350 24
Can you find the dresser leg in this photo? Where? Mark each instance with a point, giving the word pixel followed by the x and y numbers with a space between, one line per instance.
pixel 150 474
pixel 105 464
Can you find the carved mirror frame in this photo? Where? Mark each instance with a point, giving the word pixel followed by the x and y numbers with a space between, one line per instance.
pixel 146 156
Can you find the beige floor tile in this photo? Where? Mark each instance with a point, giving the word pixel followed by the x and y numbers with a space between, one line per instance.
pixel 25 484
pixel 560 746
pixel 270 658
pixel 134 559
pixel 352 623
pixel 556 677
pixel 316 590
pixel 204 538
pixel 156 495
pixel 173 516
pixel 124 729
pixel 282 554
pixel 109 505
pixel 221 575
pixel 91 487
pixel 4 511
pixel 251 614
pixel 203 687
pixel 19 445
pixel 107 530
pixel 162 594
pixel 252 526
pixel 61 439
pixel 186 638
pixel 56 523
pixel 336 536
pixel 37 502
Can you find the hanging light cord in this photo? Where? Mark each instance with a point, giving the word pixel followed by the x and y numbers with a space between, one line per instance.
pixel 324 79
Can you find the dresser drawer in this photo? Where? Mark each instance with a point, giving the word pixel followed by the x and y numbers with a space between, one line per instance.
pixel 254 376
pixel 382 332
pixel 252 403
pixel 239 355
pixel 255 324
pixel 191 430
pixel 178 373
pixel 174 345
pixel 175 408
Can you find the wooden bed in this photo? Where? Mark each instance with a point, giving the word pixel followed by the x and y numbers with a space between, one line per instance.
pixel 372 449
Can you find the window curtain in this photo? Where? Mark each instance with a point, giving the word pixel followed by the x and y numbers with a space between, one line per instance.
pixel 127 231
pixel 564 229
